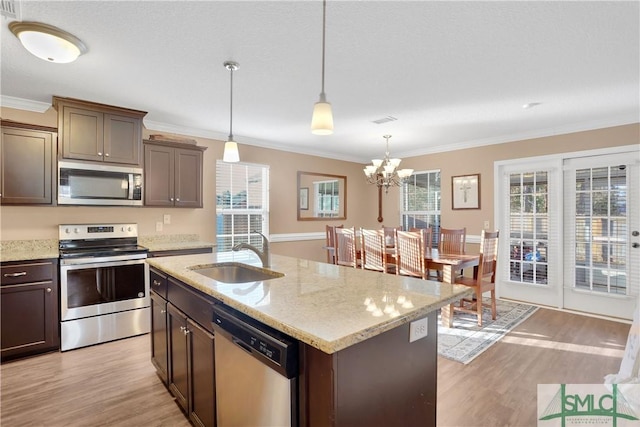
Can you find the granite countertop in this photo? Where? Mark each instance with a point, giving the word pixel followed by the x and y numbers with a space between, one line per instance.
pixel 327 306
pixel 22 250
pixel 173 242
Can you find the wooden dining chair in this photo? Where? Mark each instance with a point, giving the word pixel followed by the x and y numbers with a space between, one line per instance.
pixel 330 245
pixel 485 279
pixel 374 255
pixel 346 251
pixel 410 254
pixel 427 236
pixel 427 239
pixel 451 241
pixel 390 235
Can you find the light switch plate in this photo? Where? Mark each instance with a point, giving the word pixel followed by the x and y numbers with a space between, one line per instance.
pixel 166 218
pixel 486 225
pixel 158 226
pixel 418 329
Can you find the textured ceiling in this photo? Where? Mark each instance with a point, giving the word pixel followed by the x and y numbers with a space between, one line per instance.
pixel 454 74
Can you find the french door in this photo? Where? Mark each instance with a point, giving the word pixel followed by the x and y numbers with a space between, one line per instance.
pixel 602 229
pixel 569 231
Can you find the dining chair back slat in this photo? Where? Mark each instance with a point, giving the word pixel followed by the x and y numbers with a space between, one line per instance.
pixel 346 247
pixel 485 279
pixel 373 250
pixel 410 254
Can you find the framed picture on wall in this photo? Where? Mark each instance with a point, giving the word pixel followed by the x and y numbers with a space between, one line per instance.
pixel 465 192
pixel 304 198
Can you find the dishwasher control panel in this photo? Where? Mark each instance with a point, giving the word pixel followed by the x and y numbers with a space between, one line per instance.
pixel 273 347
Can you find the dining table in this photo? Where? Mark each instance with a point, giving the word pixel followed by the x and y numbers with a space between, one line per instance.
pixel 448 264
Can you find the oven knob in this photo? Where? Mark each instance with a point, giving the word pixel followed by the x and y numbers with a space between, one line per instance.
pixel 129 229
pixel 76 230
pixel 68 231
pixel 122 229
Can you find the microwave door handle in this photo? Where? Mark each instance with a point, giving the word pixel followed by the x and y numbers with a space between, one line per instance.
pixel 130 195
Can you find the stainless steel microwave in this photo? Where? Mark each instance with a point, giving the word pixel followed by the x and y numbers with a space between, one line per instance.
pixel 96 184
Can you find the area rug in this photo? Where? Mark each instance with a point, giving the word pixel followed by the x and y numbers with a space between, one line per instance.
pixel 466 340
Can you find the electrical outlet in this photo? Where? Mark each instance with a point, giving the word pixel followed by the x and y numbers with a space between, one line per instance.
pixel 158 226
pixel 418 329
pixel 486 225
pixel 166 218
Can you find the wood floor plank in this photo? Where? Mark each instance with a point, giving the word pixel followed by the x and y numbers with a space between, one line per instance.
pixel 499 387
pixel 114 384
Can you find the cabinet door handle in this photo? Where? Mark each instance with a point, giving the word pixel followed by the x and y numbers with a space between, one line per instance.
pixel 156 283
pixel 99 153
pixel 106 154
pixel 177 199
pixel 22 273
pixel 171 199
pixel 48 290
pixel 162 311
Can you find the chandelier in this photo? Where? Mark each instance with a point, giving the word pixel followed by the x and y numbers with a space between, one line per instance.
pixel 385 173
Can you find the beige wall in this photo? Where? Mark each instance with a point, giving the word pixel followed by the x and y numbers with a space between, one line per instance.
pixel 32 222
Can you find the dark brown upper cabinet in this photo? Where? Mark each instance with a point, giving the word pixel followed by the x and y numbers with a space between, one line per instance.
pixel 27 159
pixel 172 174
pixel 98 132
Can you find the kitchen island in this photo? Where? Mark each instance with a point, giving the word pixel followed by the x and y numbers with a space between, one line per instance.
pixel 357 364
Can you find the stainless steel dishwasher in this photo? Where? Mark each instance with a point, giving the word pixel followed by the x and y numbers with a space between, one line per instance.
pixel 256 372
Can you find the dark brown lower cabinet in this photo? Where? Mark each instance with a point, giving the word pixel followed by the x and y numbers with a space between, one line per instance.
pixel 201 375
pixel 189 349
pixel 29 318
pixel 178 356
pixel 159 355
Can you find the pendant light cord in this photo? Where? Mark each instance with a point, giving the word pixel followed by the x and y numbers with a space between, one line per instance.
pixel 231 107
pixel 324 20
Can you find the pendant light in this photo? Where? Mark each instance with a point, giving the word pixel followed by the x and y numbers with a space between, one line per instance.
pixel 48 42
pixel 231 154
pixel 322 119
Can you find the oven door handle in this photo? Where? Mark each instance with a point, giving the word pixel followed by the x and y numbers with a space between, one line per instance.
pixel 117 259
pixel 77 264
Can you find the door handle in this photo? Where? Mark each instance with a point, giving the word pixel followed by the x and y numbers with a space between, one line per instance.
pixel 635 233
pixel 635 245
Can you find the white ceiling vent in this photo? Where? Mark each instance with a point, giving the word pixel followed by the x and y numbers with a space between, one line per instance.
pixel 9 8
pixel 385 120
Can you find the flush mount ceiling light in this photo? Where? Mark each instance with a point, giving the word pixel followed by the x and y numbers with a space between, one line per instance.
pixel 385 173
pixel 322 119
pixel 48 42
pixel 231 154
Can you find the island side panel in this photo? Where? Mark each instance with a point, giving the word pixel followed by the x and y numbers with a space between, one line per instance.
pixel 385 380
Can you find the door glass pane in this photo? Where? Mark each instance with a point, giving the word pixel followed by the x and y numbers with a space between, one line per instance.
pixel 529 227
pixel 601 230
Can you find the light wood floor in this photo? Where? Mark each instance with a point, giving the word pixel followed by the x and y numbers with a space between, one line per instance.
pixel 114 384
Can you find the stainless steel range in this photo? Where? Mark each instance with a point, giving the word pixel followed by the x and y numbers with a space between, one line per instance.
pixel 104 284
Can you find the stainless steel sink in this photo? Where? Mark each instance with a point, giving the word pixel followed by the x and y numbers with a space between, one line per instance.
pixel 235 272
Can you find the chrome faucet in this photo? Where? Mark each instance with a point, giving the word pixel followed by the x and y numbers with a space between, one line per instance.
pixel 265 255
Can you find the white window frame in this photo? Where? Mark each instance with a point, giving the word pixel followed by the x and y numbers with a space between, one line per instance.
pixel 239 171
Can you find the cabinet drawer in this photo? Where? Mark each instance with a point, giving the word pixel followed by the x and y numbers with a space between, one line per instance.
pixel 195 306
pixel 158 282
pixel 12 274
